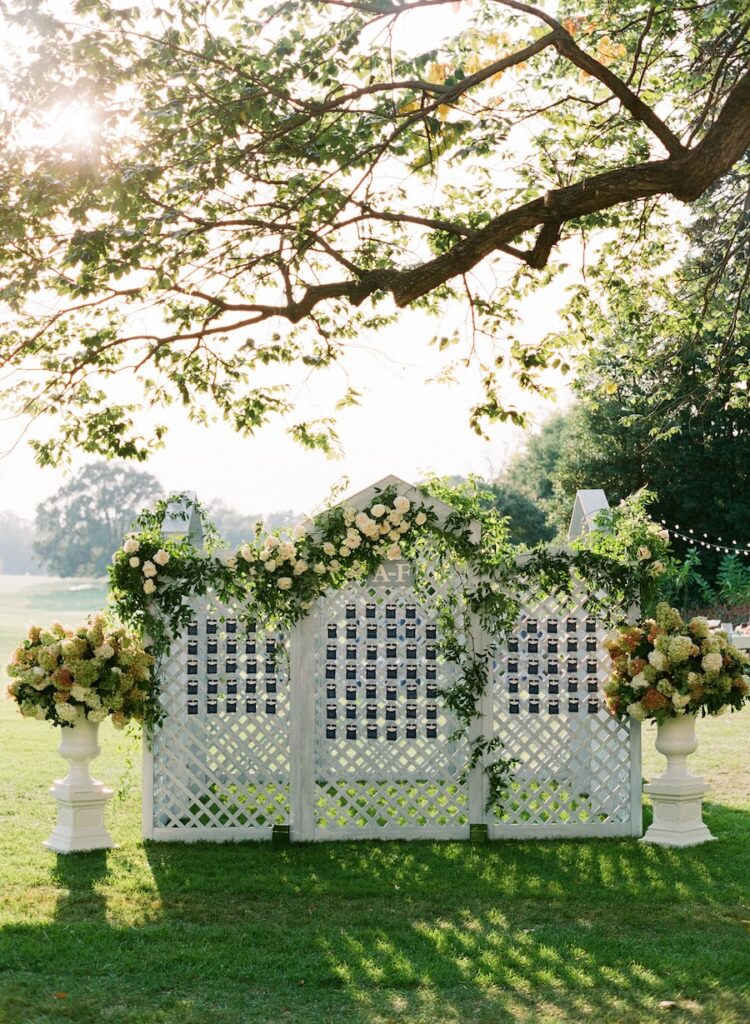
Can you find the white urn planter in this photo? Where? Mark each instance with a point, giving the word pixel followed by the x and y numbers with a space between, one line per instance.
pixel 80 799
pixel 677 794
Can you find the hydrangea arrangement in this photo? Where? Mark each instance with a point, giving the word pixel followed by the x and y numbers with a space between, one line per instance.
pixel 67 676
pixel 664 667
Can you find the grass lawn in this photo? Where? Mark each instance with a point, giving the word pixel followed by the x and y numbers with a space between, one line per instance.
pixel 544 932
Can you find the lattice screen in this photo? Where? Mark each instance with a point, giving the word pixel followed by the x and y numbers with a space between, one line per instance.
pixel 381 761
pixel 384 760
pixel 221 759
pixel 577 767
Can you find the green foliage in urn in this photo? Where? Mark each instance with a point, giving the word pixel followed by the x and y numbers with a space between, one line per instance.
pixel 66 676
pixel 664 668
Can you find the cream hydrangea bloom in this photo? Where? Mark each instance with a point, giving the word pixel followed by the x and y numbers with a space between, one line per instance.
pixel 712 662
pixel 637 711
pixel 658 660
pixel 639 682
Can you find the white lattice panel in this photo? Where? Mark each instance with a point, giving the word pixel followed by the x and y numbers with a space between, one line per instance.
pixel 578 765
pixel 385 764
pixel 221 758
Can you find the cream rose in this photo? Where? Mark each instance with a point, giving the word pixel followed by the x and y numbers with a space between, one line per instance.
pixel 420 519
pixel 246 552
pixel 270 565
pixel 300 566
pixel 402 504
pixel 149 569
pixel 131 545
pixel 394 551
pixel 149 587
pixel 329 549
pixel 284 582
pixel 161 557
pixel 134 562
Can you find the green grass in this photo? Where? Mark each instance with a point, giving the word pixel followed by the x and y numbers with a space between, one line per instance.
pixel 544 932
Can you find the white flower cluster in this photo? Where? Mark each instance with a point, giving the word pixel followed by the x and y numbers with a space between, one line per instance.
pixel 149 567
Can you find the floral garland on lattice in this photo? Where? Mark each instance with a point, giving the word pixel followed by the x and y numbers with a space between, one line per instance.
pixel 276 578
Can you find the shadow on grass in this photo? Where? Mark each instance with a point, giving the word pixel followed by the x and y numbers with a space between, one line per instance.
pixel 593 930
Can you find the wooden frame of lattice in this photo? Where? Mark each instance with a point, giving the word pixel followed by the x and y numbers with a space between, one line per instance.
pixel 338 732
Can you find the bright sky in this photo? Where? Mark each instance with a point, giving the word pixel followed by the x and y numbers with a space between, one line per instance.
pixel 403 426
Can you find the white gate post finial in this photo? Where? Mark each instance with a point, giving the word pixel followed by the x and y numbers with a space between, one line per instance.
pixel 182 519
pixel 587 506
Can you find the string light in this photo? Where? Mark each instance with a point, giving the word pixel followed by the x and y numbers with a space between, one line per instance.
pixel 690 537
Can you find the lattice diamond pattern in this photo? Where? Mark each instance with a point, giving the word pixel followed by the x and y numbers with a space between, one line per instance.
pixel 221 759
pixel 548 709
pixel 383 754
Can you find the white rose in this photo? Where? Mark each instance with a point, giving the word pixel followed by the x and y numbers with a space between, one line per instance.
pixel 663 535
pixel 231 562
pixel 300 567
pixel 350 514
pixel 403 528
pixel 329 549
pixel 394 518
pixel 643 553
pixel 264 555
pixel 319 568
pixel 161 557
pixel 149 569
pixel 286 552
pixel 394 551
pixel 149 587
pixel 299 531
pixel 402 504
pixel 657 568
pixel 134 562
pixel 284 582
pixel 378 510
pixel 353 540
pixel 272 542
pixel 131 545
pixel 270 565
pixel 420 519
pixel 636 711
pixel 335 565
pixel 394 535
pixel 384 529
pixel 246 552
pixel 344 551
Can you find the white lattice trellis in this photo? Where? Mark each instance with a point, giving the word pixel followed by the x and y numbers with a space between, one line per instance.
pixel 338 730
pixel 579 768
pixel 220 764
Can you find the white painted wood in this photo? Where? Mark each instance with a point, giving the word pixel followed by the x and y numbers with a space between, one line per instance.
pixel 636 779
pixel 586 507
pixel 147 805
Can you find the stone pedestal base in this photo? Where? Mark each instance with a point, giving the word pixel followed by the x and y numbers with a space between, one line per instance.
pixel 678 811
pixel 80 817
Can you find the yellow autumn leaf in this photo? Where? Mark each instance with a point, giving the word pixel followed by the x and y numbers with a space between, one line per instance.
pixel 408 108
pixel 610 388
pixel 443 110
pixel 497 76
pixel 607 51
pixel 473 64
pixel 572 26
pixel 436 73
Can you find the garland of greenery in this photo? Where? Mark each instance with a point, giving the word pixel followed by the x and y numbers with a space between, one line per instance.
pixel 276 577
